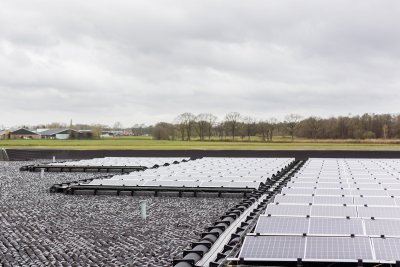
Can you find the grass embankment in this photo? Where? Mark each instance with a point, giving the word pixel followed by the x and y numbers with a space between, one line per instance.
pixel 142 142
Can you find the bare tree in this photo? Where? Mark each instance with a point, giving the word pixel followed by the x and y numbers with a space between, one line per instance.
pixel 249 126
pixel 231 120
pixel 201 123
pixel 264 130
pixel 291 122
pixel 180 124
pixel 118 126
pixel 272 124
pixel 185 123
pixel 211 119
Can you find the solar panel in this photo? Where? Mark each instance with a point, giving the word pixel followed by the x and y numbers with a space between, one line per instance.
pixel 339 248
pixel 332 192
pixel 288 210
pixel 293 199
pixel 335 226
pixel 393 192
pixel 382 227
pixel 333 211
pixel 345 194
pixel 369 192
pixel 386 249
pixel 333 200
pixel 273 247
pixel 374 201
pixel 282 225
pixel 378 212
pixel 298 191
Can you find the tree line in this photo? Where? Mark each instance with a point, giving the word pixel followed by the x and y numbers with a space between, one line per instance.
pixel 235 126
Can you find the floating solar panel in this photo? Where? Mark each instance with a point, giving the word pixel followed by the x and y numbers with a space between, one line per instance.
pixel 379 212
pixel 386 249
pixel 332 192
pixel 384 227
pixel 336 226
pixel 235 173
pixel 293 199
pixel 369 192
pixel 339 248
pixel 298 191
pixel 288 210
pixel 333 200
pixel 353 202
pixel 374 201
pixel 333 211
pixel 282 225
pixel 273 247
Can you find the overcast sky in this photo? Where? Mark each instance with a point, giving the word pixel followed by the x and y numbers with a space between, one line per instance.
pixel 96 61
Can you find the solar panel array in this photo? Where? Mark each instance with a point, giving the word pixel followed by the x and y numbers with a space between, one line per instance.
pixel 121 161
pixel 332 210
pixel 205 172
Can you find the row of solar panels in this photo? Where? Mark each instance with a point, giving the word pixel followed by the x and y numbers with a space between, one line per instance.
pixel 333 210
pixel 338 200
pixel 276 225
pixel 122 161
pixel 315 248
pixel 203 173
pixel 340 192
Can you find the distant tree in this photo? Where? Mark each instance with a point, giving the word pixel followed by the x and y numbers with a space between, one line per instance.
pixel 55 125
pixel 118 126
pixel 96 129
pixel 249 126
pixel 186 122
pixel 162 131
pixel 231 120
pixel 211 119
pixel 291 122
pixel 201 123
pixel 264 130
pixel 272 124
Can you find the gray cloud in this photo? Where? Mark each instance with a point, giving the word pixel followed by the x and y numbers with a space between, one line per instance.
pixel 146 61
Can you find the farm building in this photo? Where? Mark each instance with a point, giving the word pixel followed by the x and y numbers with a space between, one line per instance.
pixel 23 133
pixel 59 133
pixel 5 134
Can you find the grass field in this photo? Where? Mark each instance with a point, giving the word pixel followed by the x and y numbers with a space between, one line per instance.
pixel 142 142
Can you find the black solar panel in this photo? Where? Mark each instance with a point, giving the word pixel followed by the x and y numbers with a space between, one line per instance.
pixel 382 227
pixel 288 210
pixel 336 226
pixel 273 247
pixel 386 249
pixel 339 248
pixel 333 211
pixel 282 225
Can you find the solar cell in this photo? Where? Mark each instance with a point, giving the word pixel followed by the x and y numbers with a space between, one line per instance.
pixel 335 226
pixel 293 199
pixel 379 212
pixel 273 247
pixel 297 191
pixel 369 192
pixel 288 210
pixel 332 192
pixel 374 201
pixel 382 227
pixel 393 192
pixel 333 200
pixel 333 211
pixel 282 225
pixel 338 248
pixel 386 249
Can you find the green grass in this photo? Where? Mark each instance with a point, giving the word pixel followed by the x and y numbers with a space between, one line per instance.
pixel 143 142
